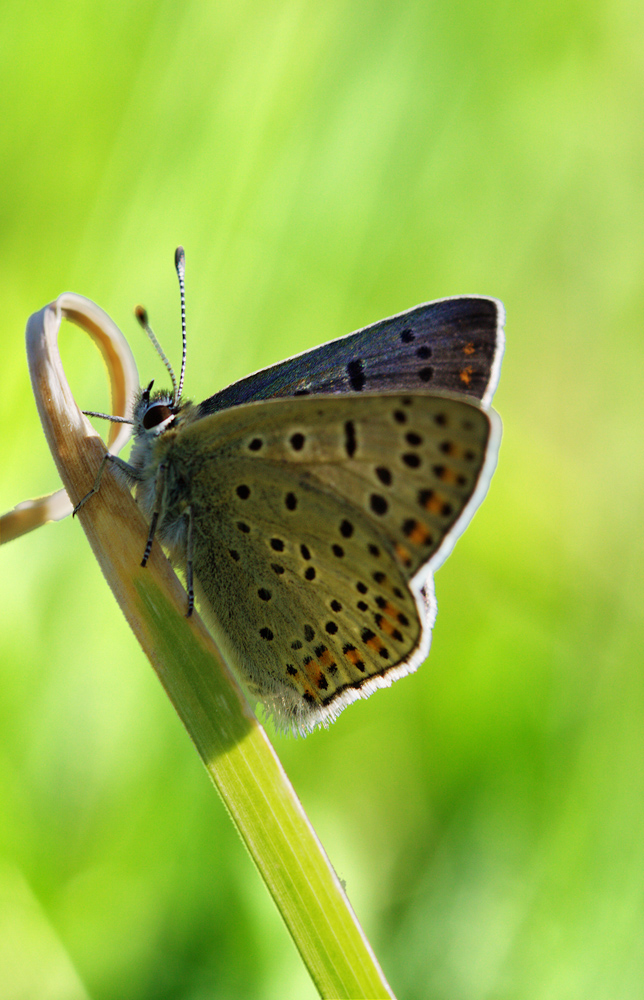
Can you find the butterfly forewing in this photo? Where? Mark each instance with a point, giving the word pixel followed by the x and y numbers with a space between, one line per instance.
pixel 452 345
pixel 331 513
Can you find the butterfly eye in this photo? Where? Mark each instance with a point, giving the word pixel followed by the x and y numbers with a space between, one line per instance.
pixel 155 415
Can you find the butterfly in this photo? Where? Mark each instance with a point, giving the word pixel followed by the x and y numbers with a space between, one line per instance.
pixel 310 503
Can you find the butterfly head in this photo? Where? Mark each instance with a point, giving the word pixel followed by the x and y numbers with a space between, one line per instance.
pixel 154 412
pixel 154 415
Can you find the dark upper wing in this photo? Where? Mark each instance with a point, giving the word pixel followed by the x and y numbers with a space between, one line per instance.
pixel 452 345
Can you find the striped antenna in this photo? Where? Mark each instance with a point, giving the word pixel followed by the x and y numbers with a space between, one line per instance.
pixel 180 265
pixel 108 416
pixel 142 317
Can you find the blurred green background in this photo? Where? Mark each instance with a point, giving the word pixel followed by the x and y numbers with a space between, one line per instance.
pixel 326 165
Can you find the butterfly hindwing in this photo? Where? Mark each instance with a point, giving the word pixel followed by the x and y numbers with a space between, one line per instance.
pixel 331 513
pixel 451 345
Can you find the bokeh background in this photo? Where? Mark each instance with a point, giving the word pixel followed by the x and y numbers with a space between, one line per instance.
pixel 326 165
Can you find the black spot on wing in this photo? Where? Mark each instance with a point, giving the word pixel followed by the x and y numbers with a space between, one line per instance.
pixel 355 371
pixel 350 443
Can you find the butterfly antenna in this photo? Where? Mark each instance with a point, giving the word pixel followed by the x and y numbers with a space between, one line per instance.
pixel 108 416
pixel 142 317
pixel 180 265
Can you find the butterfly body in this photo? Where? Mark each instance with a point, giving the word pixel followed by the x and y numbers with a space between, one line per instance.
pixel 312 501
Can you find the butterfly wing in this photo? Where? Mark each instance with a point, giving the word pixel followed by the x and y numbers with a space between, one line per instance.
pixel 452 345
pixel 318 523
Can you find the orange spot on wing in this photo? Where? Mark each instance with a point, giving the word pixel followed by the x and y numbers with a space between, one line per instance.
pixel 419 535
pixel 355 659
pixel 311 670
pixel 374 643
pixel 326 660
pixel 403 554
pixel 466 375
pixel 434 504
pixel 469 348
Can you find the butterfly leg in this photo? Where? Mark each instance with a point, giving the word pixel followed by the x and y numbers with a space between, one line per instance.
pixel 158 495
pixel 158 503
pixel 189 551
pixel 129 470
